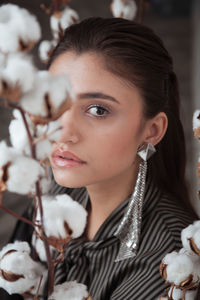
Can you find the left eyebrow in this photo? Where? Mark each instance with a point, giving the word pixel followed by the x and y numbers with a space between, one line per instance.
pixel 97 95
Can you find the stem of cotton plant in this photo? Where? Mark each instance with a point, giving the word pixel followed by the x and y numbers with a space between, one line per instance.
pixel 14 214
pixel 141 11
pixel 38 196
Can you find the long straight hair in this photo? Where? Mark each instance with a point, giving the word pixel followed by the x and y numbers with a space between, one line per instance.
pixel 134 52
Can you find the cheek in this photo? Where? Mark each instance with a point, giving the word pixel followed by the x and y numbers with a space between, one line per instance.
pixel 117 148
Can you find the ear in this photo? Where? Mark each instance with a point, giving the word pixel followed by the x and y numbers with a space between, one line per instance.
pixel 156 128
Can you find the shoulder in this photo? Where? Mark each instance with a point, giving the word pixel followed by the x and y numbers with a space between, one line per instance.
pixel 164 221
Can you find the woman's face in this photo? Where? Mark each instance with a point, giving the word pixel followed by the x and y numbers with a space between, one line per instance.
pixel 104 126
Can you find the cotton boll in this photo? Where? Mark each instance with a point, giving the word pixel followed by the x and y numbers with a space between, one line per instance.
pixel 38 244
pixel 45 181
pixel 19 71
pixel 64 219
pixel 19 30
pixel 6 154
pixel 190 237
pixel 45 50
pixel 50 133
pixel 61 20
pixel 179 269
pixel 22 175
pixel 19 273
pixel 2 60
pixel 43 149
pixel 126 9
pixel 179 294
pixel 18 134
pixel 69 290
pixel 50 97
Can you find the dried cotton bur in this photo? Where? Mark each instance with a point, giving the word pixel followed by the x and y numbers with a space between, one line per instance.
pixel 48 99
pixel 64 219
pixel 126 9
pixel 19 30
pixel 19 273
pixel 17 76
pixel 60 19
pixel 15 175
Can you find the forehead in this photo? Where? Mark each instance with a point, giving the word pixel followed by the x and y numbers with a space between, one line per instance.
pixel 87 72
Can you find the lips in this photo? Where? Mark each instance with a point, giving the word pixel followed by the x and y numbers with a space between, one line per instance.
pixel 66 155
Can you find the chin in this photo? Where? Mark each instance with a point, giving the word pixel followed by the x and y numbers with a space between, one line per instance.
pixel 67 182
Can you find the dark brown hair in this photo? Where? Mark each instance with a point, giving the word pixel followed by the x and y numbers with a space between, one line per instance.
pixel 134 52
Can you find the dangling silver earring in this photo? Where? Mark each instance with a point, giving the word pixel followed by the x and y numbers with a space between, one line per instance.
pixel 129 229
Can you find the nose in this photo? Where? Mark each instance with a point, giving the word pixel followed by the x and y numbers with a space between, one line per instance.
pixel 70 131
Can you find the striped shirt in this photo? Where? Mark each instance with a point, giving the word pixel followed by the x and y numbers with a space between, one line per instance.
pixel 138 278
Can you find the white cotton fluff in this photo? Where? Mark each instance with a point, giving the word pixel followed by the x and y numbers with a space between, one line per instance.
pixel 45 181
pixel 38 244
pixel 19 71
pixel 45 48
pixel 52 131
pixel 70 290
pixel 19 262
pixel 196 119
pixel 126 9
pixel 59 209
pixel 7 154
pixel 178 294
pixel 18 133
pixel 17 24
pixel 57 87
pixel 192 231
pixel 179 267
pixel 2 60
pixel 67 17
pixel 23 174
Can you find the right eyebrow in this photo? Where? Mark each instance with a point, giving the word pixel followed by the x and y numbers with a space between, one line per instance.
pixel 97 95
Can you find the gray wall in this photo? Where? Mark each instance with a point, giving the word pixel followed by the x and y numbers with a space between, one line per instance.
pixel 177 34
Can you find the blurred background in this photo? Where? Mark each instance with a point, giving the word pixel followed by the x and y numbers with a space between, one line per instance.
pixel 177 22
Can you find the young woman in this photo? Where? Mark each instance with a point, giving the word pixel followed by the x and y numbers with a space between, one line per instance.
pixel 125 99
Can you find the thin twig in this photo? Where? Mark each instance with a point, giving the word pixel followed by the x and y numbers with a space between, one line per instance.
pixel 141 11
pixel 14 214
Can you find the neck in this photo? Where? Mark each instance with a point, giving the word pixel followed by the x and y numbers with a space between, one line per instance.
pixel 106 196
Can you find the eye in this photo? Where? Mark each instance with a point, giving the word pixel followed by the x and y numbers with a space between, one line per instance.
pixel 98 111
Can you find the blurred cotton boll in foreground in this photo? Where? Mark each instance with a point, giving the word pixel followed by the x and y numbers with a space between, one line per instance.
pixel 63 219
pixel 43 135
pixel 22 175
pixel 61 20
pixel 48 99
pixel 126 9
pixel 18 133
pixel 19 30
pixel 69 290
pixel 19 272
pixel 45 50
pixel 7 154
pixel 15 174
pixel 18 72
pixel 50 133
